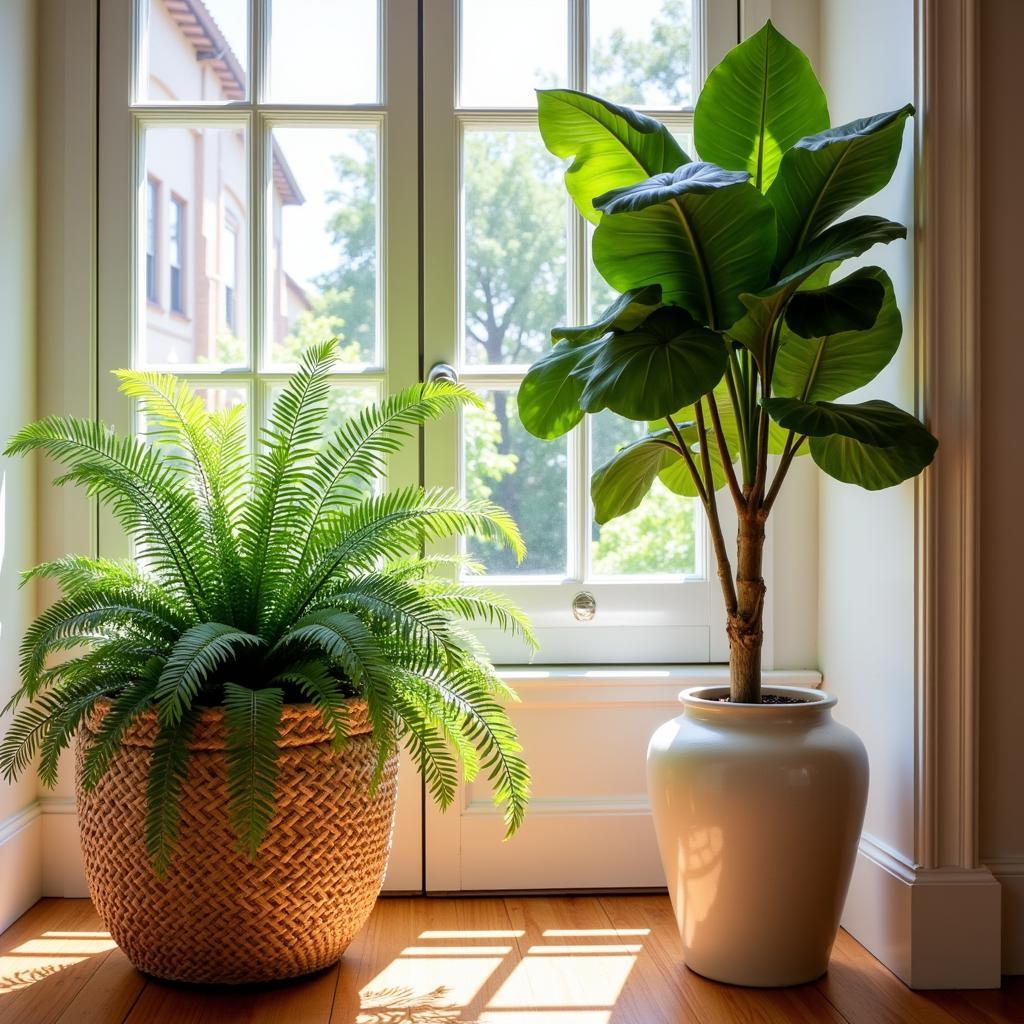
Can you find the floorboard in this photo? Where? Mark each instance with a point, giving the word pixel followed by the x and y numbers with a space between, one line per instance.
pixel 512 960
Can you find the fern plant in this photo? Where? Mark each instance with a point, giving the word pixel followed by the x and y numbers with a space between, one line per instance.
pixel 263 582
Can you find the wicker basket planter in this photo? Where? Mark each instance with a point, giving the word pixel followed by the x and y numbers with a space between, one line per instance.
pixel 217 916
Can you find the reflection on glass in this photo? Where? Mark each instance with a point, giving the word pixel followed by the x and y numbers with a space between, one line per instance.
pixel 515 245
pixel 323 253
pixel 525 476
pixel 197 51
pixel 659 537
pixel 508 50
pixel 323 51
pixel 641 53
pixel 192 248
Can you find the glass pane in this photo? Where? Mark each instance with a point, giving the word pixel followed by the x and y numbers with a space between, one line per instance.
pixel 659 537
pixel 515 215
pixel 324 51
pixel 641 53
pixel 197 51
pixel 323 252
pixel 525 476
pixel 508 50
pixel 192 249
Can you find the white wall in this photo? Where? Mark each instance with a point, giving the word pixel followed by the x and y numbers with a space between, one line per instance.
pixel 19 822
pixel 866 540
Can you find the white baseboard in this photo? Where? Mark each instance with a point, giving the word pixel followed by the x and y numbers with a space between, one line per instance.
pixel 63 874
pixel 932 928
pixel 1009 872
pixel 21 853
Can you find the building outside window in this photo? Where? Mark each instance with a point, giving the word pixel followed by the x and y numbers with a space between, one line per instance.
pixel 176 254
pixel 152 229
pixel 229 273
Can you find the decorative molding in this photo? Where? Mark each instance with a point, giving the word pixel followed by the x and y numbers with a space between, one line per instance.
pixel 20 862
pixel 14 823
pixel 888 858
pixel 948 344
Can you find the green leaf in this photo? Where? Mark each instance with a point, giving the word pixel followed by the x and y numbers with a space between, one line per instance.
pixel 754 330
pixel 622 483
pixel 820 369
pixel 873 468
pixel 877 423
pixel 703 247
pixel 826 174
pixel 696 179
pixel 549 396
pixel 668 362
pixel 625 313
pixel 611 145
pixel 251 718
pixel 198 652
pixel 851 304
pixel 756 103
pixel 168 769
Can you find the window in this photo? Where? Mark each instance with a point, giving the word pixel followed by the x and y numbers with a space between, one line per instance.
pixel 176 254
pixel 298 207
pixel 229 274
pixel 152 234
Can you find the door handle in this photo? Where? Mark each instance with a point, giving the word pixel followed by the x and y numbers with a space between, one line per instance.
pixel 443 371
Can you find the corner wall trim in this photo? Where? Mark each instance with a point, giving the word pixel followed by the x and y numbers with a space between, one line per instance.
pixel 902 912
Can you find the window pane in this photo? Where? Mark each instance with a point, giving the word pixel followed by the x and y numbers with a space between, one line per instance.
pixel 641 53
pixel 515 215
pixel 324 51
pixel 197 51
pixel 346 400
pixel 659 537
pixel 508 50
pixel 323 253
pixel 525 476
pixel 204 191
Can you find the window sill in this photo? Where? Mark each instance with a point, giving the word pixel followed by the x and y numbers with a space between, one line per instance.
pixel 628 684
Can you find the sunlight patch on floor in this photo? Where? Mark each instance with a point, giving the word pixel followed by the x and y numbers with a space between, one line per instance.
pixel 45 955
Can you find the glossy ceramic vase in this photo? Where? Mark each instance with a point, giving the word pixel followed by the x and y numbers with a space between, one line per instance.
pixel 758 810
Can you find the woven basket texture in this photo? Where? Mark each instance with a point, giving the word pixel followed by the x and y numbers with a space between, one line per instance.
pixel 216 916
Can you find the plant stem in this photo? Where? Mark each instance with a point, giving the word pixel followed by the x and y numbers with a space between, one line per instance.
pixel 789 452
pixel 714 523
pixel 744 625
pixel 725 454
pixel 684 450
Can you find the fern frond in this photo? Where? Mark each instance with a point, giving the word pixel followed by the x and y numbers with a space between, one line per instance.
pixel 280 495
pixel 125 707
pixel 142 489
pixel 478 604
pixel 323 691
pixel 426 741
pixel 252 719
pixel 196 655
pixel 168 769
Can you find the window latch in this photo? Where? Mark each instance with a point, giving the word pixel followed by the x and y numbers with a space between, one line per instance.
pixel 443 371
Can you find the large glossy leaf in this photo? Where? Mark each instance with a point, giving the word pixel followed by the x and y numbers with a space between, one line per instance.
pixel 876 423
pixel 851 304
pixel 842 241
pixel 612 145
pixel 873 468
pixel 825 175
pixel 622 483
pixel 660 188
pixel 820 369
pixel 549 396
pixel 667 362
pixel 625 313
pixel 756 103
pixel 704 248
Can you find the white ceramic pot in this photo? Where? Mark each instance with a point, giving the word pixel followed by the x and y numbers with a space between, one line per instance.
pixel 758 809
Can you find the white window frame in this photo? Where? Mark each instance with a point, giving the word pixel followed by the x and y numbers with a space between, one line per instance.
pixel 123 173
pixel 646 619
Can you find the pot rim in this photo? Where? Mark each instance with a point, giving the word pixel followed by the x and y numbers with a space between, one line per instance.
pixel 704 699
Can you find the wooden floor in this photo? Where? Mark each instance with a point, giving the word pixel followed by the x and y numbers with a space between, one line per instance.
pixel 564 960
